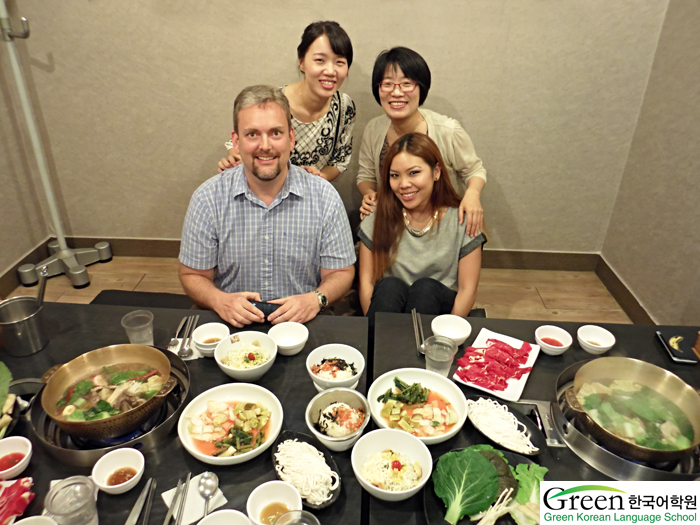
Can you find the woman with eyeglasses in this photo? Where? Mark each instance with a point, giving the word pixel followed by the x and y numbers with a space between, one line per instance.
pixel 413 252
pixel 322 117
pixel 400 84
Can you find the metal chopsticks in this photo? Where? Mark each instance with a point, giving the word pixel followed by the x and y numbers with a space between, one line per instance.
pixel 174 502
pixel 183 501
pixel 418 331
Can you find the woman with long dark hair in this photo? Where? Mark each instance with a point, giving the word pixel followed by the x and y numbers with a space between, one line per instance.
pixel 413 252
pixel 322 116
pixel 400 84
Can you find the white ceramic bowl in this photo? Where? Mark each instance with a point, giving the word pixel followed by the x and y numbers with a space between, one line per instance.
pixel 10 445
pixel 398 441
pixel 231 392
pixel 589 334
pixel 453 326
pixel 205 352
pixel 225 517
pixel 249 374
pixel 209 331
pixel 348 353
pixel 431 380
pixel 113 461
pixel 556 333
pixel 325 398
pixel 290 337
pixel 271 492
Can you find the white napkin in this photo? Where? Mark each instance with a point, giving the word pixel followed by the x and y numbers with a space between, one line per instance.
pixel 194 506
pixel 195 352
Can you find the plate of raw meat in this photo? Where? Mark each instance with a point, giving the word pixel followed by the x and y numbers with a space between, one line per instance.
pixel 497 364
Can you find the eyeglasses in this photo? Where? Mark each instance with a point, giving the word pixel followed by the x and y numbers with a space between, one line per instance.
pixel 407 86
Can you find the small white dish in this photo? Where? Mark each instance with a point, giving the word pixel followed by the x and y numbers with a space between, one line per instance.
pixel 594 339
pixel 556 333
pixel 244 338
pixel 225 517
pixel 290 337
pixel 400 442
pixel 452 326
pixel 113 461
pixel 351 387
pixel 209 335
pixel 348 353
pixel 321 402
pixel 12 445
pixel 271 492
pixel 205 352
pixel 36 520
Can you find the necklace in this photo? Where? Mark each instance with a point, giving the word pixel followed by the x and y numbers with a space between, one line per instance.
pixel 414 231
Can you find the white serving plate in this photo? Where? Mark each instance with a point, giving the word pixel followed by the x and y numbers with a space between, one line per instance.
pixel 515 386
pixel 231 392
pixel 431 380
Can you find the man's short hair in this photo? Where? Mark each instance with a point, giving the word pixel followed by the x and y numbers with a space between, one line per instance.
pixel 259 96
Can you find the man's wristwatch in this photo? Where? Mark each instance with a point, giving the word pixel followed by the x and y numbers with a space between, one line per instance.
pixel 322 300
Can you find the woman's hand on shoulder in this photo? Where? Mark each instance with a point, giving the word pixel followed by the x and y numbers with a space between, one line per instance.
pixel 470 208
pixel 369 201
pixel 311 169
pixel 231 161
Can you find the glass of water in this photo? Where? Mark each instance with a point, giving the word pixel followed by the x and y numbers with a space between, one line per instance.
pixel 297 517
pixel 139 327
pixel 439 353
pixel 73 501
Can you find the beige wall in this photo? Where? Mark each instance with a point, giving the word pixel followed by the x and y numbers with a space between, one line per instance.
pixel 134 101
pixel 653 242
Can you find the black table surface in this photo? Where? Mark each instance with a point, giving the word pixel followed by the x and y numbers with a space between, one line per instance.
pixel 76 329
pixel 395 347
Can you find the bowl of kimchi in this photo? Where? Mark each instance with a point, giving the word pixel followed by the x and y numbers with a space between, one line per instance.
pixel 230 424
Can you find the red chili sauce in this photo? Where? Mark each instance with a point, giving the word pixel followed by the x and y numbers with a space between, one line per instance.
pixel 10 460
pixel 551 342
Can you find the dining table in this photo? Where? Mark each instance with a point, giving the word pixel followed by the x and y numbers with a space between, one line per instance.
pixel 395 347
pixel 74 329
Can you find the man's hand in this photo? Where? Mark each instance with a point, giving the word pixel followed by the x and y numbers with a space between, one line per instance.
pixel 231 161
pixel 312 170
pixel 369 201
pixel 236 308
pixel 297 308
pixel 471 207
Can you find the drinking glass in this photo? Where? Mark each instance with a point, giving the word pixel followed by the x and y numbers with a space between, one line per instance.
pixel 72 502
pixel 439 353
pixel 297 517
pixel 139 327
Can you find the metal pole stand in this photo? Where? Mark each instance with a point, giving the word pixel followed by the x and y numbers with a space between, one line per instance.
pixel 69 261
pixel 63 259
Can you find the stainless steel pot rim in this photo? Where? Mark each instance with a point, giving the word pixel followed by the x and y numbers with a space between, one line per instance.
pixel 18 300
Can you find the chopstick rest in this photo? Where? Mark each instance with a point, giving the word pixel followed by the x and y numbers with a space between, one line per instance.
pixel 194 505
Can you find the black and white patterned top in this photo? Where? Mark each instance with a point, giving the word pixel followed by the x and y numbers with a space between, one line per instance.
pixel 326 141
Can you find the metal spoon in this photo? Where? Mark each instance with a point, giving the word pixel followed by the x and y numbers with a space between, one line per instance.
pixel 208 484
pixel 174 341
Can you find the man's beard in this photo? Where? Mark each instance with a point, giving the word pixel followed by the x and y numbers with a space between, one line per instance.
pixel 268 173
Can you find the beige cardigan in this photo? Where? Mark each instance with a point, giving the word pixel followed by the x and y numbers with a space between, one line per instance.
pixel 454 144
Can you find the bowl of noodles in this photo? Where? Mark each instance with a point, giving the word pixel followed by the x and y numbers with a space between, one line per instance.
pixel 246 356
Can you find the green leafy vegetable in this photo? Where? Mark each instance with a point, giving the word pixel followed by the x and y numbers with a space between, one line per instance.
pixel 466 482
pixel 122 377
pixel 410 395
pixel 100 411
pixel 5 380
pixel 527 501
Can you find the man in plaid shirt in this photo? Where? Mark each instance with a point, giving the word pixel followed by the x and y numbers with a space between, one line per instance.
pixel 265 230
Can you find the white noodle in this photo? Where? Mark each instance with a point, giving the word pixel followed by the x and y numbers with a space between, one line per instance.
pixel 499 424
pixel 305 467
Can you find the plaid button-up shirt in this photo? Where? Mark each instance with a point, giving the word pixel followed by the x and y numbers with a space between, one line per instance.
pixel 275 250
